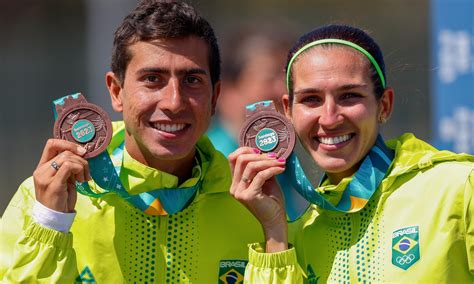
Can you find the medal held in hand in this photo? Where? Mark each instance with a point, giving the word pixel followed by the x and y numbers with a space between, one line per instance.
pixel 267 130
pixel 83 123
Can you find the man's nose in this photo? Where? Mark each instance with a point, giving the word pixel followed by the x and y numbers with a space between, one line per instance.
pixel 171 97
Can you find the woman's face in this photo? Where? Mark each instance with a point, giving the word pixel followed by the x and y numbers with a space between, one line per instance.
pixel 335 111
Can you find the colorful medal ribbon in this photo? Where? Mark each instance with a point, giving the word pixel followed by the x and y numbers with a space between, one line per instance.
pixel 106 175
pixel 358 190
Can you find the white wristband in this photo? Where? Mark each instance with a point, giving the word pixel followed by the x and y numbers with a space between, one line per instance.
pixel 52 219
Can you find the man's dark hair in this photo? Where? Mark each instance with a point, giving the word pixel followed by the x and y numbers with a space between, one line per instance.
pixel 153 19
pixel 347 33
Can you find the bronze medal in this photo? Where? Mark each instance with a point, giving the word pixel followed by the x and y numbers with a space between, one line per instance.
pixel 83 123
pixel 267 130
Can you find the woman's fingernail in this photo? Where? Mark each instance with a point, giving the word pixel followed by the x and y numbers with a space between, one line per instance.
pixel 256 151
pixel 282 166
pixel 272 155
pixel 81 150
pixel 281 160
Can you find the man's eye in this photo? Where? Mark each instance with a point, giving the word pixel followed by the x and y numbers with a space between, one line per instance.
pixel 152 78
pixel 191 80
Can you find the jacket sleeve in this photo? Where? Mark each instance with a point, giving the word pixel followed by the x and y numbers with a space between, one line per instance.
pixel 29 252
pixel 280 267
pixel 469 220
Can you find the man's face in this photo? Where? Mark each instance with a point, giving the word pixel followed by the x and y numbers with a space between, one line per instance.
pixel 166 98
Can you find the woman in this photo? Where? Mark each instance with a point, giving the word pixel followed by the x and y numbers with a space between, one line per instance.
pixel 397 211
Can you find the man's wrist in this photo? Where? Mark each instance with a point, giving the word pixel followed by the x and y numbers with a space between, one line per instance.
pixel 52 219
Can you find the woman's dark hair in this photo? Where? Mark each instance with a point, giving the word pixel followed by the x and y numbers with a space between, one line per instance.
pixel 347 33
pixel 154 19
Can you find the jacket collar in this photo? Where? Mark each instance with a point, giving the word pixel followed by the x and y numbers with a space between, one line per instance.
pixel 138 177
pixel 413 154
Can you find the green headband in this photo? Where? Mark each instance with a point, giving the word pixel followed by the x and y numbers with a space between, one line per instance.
pixel 338 41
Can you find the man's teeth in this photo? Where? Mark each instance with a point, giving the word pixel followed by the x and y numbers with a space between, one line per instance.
pixel 169 127
pixel 334 140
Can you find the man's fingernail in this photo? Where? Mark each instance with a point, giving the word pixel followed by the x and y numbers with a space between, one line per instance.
pixel 81 150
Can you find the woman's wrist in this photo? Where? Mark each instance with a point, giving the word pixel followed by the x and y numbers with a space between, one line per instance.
pixel 276 238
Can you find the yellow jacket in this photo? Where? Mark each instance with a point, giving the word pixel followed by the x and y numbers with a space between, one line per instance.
pixel 417 228
pixel 113 242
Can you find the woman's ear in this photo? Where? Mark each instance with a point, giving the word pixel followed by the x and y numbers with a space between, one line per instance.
pixel 115 90
pixel 386 105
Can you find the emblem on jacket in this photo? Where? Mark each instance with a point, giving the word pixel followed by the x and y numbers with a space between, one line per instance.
pixel 231 271
pixel 86 276
pixel 405 247
pixel 312 278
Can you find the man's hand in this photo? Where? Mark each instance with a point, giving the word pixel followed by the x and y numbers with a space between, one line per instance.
pixel 60 166
pixel 254 185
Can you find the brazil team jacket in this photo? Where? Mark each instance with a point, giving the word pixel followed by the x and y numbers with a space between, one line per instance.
pixel 418 228
pixel 112 242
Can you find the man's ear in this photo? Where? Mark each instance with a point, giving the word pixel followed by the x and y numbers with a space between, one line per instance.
pixel 386 105
pixel 286 105
pixel 115 90
pixel 215 95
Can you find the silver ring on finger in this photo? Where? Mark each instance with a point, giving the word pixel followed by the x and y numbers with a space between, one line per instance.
pixel 245 179
pixel 55 165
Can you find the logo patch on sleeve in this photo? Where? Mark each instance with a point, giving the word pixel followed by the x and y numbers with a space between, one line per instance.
pixel 86 276
pixel 405 247
pixel 231 271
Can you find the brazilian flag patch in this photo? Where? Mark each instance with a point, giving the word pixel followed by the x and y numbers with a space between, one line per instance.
pixel 405 247
pixel 231 271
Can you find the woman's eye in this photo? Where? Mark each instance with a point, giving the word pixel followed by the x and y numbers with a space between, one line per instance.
pixel 347 96
pixel 311 99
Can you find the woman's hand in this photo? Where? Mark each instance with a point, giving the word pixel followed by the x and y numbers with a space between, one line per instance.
pixel 255 186
pixel 60 166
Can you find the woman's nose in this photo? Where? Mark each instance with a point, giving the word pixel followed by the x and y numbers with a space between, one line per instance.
pixel 330 115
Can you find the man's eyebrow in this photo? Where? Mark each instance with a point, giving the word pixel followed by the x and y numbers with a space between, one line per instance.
pixel 166 71
pixel 152 70
pixel 194 71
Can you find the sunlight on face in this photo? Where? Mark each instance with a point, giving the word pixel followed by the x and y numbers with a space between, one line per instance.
pixel 335 109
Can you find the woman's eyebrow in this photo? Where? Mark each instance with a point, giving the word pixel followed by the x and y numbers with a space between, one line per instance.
pixel 341 88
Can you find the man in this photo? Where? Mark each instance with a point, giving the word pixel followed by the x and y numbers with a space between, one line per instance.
pixel 165 81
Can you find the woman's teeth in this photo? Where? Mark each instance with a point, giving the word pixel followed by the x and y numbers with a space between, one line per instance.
pixel 334 140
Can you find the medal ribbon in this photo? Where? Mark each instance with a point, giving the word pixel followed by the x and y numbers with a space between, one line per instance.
pixel 357 190
pixel 106 175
